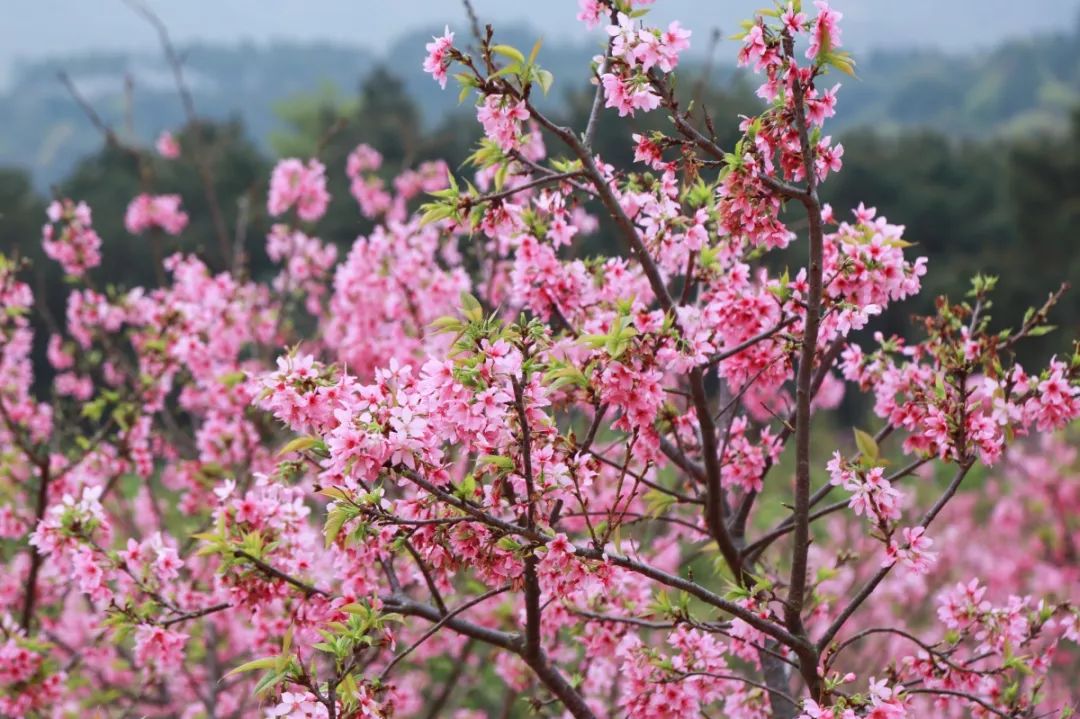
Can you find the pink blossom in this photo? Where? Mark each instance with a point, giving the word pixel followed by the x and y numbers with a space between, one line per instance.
pixel 628 96
pixel 159 648
pixel 167 146
pixel 294 184
pixel 148 212
pixel 825 30
pixel 438 58
pixel 591 12
pixel 74 243
pixel 501 118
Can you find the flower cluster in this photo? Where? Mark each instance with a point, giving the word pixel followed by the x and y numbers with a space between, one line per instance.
pixel 69 237
pixel 160 212
pixel 303 186
pixel 438 58
pixel 501 118
pixel 307 263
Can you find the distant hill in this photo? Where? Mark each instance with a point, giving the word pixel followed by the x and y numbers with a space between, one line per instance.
pixel 46 131
pixel 1017 87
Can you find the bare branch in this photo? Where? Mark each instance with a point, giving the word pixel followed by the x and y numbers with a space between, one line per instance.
pixel 199 157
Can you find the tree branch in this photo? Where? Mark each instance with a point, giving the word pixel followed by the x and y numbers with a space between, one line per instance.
pixel 871 585
pixel 202 165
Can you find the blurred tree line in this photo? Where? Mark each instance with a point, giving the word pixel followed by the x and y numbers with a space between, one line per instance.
pixel 1006 207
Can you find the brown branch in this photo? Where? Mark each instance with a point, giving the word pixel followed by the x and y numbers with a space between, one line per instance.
pixel 745 680
pixel 532 583
pixel 196 614
pixel 797 583
pixel 436 596
pixel 36 558
pixel 963 695
pixel 447 617
pixel 474 22
pixel 622 221
pixel 732 351
pixel 878 577
pixel 199 157
pixel 459 666
pixel 743 514
pixel 598 98
pixel 537 182
pixel 276 573
pixel 716 509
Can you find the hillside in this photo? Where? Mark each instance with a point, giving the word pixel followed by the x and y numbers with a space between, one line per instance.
pixel 1015 88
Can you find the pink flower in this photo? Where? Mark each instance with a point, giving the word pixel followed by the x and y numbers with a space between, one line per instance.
pixel 88 573
pixel 148 212
pixel 913 552
pixel 501 117
pixel 438 57
pixel 295 184
pixel 298 705
pixel 813 710
pixel 793 21
pixel 159 648
pixel 672 42
pixel 754 49
pixel 74 243
pixel 627 95
pixel 364 158
pixel 167 146
pixel 591 12
pixel 820 108
pixel 647 151
pixel 825 33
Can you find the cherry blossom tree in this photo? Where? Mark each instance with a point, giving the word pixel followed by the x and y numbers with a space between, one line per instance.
pixel 463 457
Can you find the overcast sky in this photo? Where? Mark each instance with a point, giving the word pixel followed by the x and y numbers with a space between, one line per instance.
pixel 38 28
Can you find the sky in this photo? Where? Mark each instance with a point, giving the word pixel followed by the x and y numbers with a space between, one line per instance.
pixel 33 29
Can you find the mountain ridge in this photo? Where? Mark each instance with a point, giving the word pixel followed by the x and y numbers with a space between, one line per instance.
pixel 1019 86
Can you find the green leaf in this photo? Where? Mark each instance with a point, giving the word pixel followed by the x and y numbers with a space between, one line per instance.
pixel 231 379
pixel 657 502
pixel 264 663
pixel 566 375
pixel 299 444
pixel 433 212
pixel 269 681
pixel 535 51
pixel 471 307
pixel 508 51
pixel 841 60
pixel 347 688
pixel 866 444
pixel 545 79
pixel 467 488
pixel 1041 330
pixel 504 463
pixel 93 410
pixel 335 519
pixel 335 493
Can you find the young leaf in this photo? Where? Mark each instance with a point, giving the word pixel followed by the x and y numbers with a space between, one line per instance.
pixel 335 519
pixel 508 51
pixel 299 444
pixel 866 444
pixel 264 663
